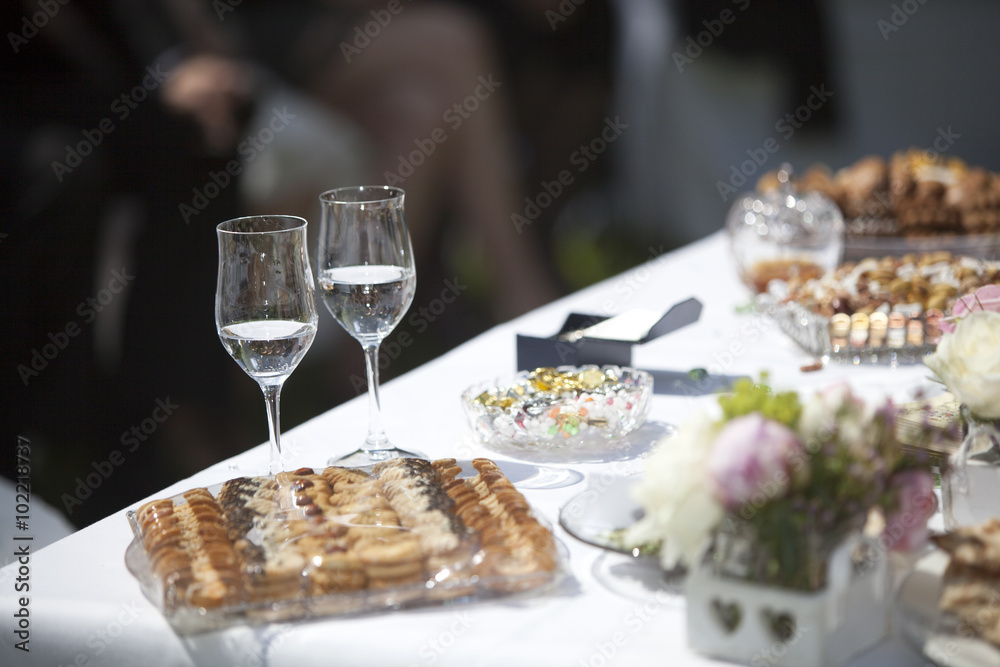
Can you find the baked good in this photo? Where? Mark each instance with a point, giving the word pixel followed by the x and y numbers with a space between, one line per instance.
pixel 410 526
pixel 919 185
pixel 977 197
pixel 916 193
pixel 972 580
pixel 928 281
pixel 863 187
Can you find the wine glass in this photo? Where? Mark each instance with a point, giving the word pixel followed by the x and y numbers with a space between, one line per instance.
pixel 265 309
pixel 366 278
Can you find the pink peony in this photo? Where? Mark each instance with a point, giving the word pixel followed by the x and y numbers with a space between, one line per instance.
pixel 906 528
pixel 749 463
pixel 986 297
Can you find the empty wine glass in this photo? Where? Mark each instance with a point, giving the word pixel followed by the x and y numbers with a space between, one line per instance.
pixel 265 310
pixel 367 279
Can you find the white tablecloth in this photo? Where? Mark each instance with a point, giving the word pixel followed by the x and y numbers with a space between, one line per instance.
pixel 86 609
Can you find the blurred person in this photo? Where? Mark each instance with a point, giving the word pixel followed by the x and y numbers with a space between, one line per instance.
pixel 115 118
pixel 425 84
pixel 108 294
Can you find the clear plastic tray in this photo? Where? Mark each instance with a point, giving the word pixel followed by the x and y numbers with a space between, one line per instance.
pixel 462 580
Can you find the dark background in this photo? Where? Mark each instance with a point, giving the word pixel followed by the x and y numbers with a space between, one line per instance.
pixel 655 188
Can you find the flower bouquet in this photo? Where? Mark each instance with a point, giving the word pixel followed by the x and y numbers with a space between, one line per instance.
pixel 967 361
pixel 765 501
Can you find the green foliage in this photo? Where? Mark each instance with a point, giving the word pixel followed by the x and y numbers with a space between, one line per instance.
pixel 749 397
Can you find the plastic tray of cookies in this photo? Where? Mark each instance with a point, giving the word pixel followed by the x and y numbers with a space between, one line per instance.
pixel 339 541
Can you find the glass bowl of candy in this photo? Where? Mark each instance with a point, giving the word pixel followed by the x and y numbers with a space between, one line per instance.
pixel 558 409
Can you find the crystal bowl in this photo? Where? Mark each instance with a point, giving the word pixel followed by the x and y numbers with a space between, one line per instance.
pixel 564 408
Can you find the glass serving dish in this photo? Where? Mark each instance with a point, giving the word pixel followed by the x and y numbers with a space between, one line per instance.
pixel 817 335
pixel 278 557
pixel 887 310
pixel 784 234
pixel 859 245
pixel 573 409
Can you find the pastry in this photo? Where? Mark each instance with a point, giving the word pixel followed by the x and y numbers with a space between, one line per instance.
pixel 410 526
pixel 916 193
pixel 972 580
pixel 863 188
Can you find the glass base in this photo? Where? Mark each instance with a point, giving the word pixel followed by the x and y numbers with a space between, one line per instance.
pixel 361 457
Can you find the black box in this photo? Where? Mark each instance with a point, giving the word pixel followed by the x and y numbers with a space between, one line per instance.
pixel 559 350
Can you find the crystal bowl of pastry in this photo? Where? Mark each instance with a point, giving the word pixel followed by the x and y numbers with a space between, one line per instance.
pixel 784 233
pixel 579 409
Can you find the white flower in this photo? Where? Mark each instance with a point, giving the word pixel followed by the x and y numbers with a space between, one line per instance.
pixel 818 418
pixel 680 507
pixel 968 362
pixel 837 413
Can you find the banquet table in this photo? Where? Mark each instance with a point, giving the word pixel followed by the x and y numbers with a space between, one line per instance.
pixel 87 609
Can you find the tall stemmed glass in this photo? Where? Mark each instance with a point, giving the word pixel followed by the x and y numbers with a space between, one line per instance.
pixel 367 278
pixel 265 308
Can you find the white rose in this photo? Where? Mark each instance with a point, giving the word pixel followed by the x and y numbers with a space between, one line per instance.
pixel 680 508
pixel 836 411
pixel 968 362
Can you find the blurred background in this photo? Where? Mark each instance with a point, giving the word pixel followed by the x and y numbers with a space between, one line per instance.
pixel 543 145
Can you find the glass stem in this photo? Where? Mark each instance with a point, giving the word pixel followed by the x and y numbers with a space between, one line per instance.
pixel 376 439
pixel 272 399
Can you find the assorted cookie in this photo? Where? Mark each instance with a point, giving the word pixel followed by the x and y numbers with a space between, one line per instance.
pixel 972 581
pixel 915 193
pixel 411 526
